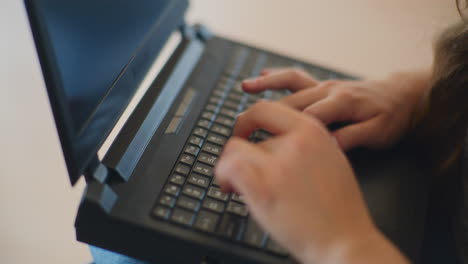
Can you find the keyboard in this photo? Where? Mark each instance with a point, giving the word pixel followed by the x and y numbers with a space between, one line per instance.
pixel 191 196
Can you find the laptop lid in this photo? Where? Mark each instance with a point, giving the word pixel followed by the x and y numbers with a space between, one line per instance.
pixel 93 55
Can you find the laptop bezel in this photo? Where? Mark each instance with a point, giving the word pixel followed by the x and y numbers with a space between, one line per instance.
pixel 80 147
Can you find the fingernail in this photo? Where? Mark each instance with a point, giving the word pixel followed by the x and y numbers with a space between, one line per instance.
pixel 250 81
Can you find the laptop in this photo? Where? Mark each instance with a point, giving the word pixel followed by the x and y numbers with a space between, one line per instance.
pixel 144 102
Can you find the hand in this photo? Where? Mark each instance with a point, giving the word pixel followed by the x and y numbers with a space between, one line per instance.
pixel 300 187
pixel 378 113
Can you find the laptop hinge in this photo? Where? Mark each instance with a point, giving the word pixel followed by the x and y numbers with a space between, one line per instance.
pixel 97 171
pixel 203 32
pixel 188 31
pixel 197 31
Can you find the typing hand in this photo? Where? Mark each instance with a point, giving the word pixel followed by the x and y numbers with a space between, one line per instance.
pixel 378 113
pixel 300 187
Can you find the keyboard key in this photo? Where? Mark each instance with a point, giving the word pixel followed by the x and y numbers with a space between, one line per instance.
pixel 237 198
pixel 188 203
pixel 232 105
pixel 259 64
pixel 245 106
pixel 224 79
pixel 208 116
pixel 215 182
pixel 247 68
pixel 276 248
pixel 182 217
pixel 216 193
pixel 213 205
pixel 254 236
pixel 221 130
pixel 215 100
pixel 219 92
pixel 223 86
pixel 238 209
pixel 203 169
pixel 192 150
pixel 201 132
pixel 261 95
pixel 236 97
pixel 197 141
pixel 167 200
pixel 182 169
pixel 238 87
pixel 225 121
pixel 276 95
pixel 177 179
pixel 193 191
pixel 187 159
pixel 199 180
pixel 204 123
pixel 161 212
pixel 267 94
pixel 207 158
pixel 212 108
pixel 172 189
pixel 252 98
pixel 216 139
pixel 206 221
pixel 213 149
pixel 232 227
pixel 228 112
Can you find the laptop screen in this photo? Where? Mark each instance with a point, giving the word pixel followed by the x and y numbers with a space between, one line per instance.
pixel 89 47
pixel 94 54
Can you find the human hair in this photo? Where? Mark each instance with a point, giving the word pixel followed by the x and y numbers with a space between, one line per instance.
pixel 443 120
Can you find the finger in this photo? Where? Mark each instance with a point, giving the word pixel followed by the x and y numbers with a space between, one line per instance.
pixel 273 70
pixel 355 135
pixel 268 71
pixel 330 110
pixel 271 145
pixel 274 117
pixel 291 79
pixel 304 98
pixel 240 168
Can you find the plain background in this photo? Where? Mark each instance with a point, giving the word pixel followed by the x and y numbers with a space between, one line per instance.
pixel 370 38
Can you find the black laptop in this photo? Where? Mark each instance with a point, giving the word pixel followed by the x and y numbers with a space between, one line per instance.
pixel 152 195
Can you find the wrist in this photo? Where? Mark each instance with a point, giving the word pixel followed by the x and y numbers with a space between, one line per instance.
pixel 414 86
pixel 368 247
pixel 415 83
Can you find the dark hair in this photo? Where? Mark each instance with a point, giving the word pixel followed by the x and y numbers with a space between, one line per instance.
pixel 443 119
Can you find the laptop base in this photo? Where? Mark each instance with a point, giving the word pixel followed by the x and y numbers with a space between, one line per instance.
pixel 117 215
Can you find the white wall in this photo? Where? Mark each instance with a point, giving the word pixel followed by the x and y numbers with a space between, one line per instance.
pixel 37 204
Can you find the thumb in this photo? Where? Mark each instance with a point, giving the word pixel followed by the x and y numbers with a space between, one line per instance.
pixel 238 170
pixel 235 175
